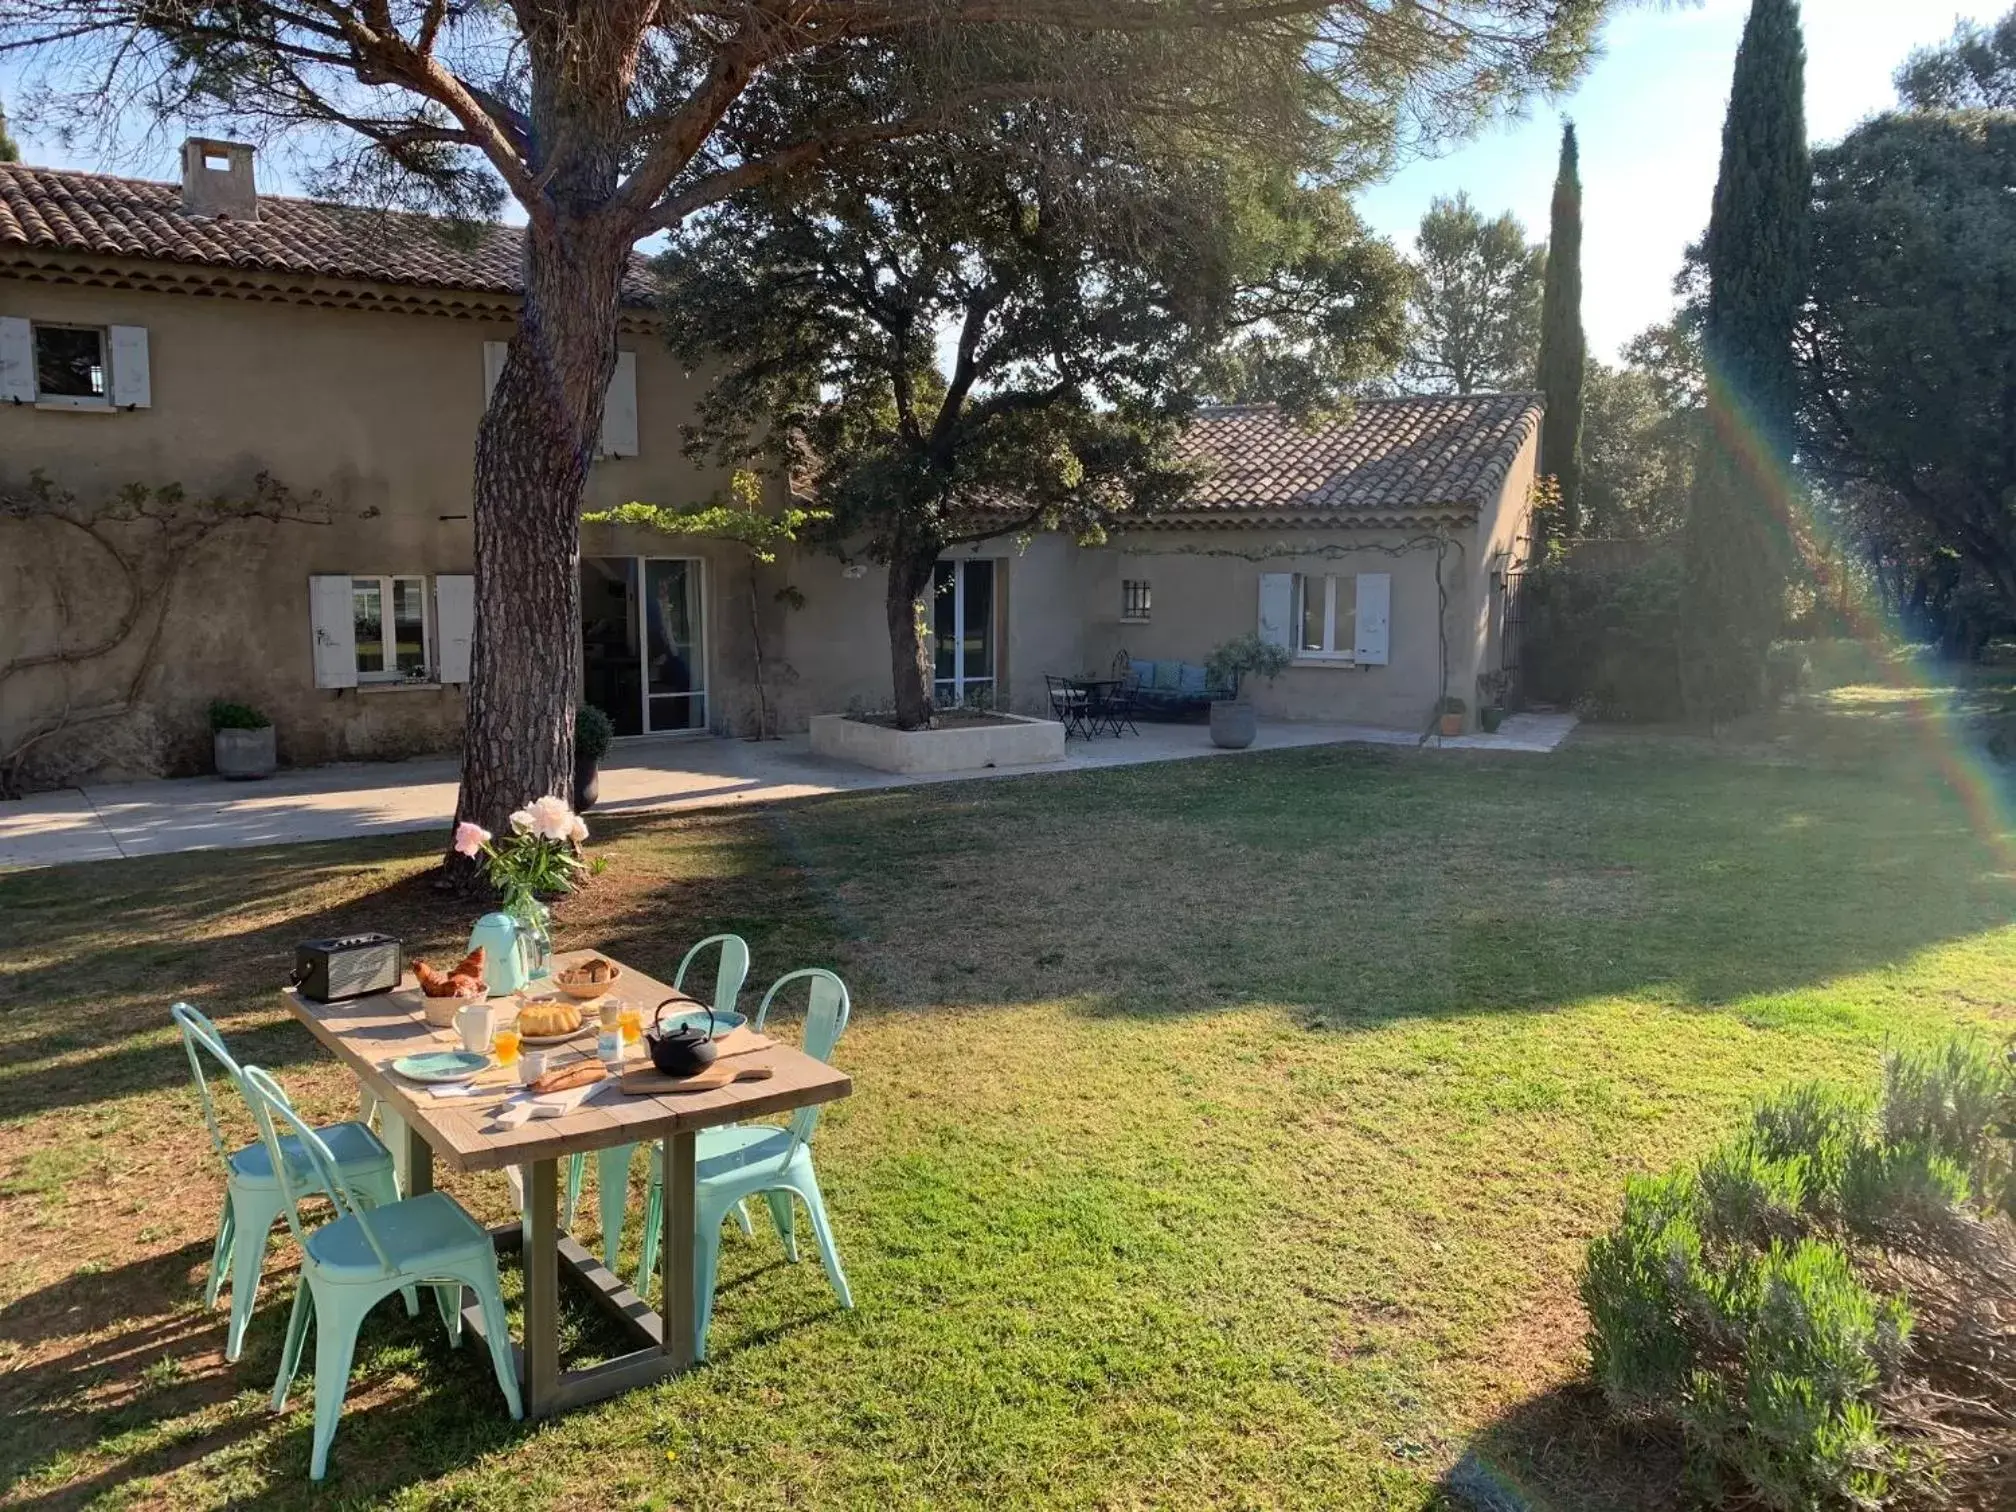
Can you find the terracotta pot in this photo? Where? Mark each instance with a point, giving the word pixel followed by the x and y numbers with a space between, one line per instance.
pixel 1233 723
pixel 1452 724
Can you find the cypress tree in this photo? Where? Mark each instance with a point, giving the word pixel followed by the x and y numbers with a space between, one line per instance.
pixel 1736 539
pixel 9 153
pixel 1564 350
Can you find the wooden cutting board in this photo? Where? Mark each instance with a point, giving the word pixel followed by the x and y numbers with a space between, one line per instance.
pixel 647 1080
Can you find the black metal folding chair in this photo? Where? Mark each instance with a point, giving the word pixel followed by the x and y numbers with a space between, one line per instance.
pixel 1118 707
pixel 1068 702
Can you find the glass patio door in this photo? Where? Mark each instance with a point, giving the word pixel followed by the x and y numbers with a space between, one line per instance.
pixel 962 631
pixel 643 642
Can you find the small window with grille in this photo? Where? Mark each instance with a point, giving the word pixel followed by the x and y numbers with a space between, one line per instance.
pixel 1135 599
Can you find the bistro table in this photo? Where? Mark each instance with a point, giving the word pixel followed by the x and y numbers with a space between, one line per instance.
pixel 369 1033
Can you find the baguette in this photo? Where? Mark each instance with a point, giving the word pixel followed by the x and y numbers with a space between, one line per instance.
pixel 582 1073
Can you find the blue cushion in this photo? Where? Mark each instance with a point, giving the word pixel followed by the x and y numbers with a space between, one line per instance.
pixel 1144 673
pixel 1167 675
pixel 1190 682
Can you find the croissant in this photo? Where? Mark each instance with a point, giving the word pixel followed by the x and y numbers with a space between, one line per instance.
pixel 470 965
pixel 456 983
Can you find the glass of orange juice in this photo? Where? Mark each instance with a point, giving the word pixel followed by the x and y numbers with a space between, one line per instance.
pixel 506 1044
pixel 631 1018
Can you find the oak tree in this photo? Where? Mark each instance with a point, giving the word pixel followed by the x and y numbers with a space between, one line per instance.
pixel 971 339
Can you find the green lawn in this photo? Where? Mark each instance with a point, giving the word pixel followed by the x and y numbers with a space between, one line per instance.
pixel 1225 1133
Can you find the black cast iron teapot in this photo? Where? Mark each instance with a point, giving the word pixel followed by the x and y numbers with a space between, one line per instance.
pixel 686 1050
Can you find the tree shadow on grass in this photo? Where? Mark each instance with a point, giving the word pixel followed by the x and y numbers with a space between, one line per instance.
pixel 1360 887
pixel 150 1358
pixel 1561 1451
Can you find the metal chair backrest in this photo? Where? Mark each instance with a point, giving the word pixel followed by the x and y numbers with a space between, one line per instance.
pixel 198 1033
pixel 827 1006
pixel 730 972
pixel 273 1112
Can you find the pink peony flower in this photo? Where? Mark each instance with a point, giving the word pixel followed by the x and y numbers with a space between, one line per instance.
pixel 551 818
pixel 470 838
pixel 522 821
pixel 577 829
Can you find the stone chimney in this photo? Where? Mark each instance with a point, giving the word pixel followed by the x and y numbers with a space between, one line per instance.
pixel 217 180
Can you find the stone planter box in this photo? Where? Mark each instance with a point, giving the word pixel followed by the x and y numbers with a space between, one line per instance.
pixel 242 755
pixel 1005 740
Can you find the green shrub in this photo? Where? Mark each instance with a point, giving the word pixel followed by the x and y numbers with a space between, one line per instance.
pixel 592 733
pixel 1729 1299
pixel 1605 640
pixel 225 715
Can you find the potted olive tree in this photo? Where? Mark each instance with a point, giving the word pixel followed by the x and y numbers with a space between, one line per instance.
pixel 1230 666
pixel 241 741
pixel 592 734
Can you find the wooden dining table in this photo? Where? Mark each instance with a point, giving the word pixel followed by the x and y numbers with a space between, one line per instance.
pixel 369 1033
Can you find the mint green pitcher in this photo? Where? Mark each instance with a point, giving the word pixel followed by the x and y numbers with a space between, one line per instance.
pixel 511 952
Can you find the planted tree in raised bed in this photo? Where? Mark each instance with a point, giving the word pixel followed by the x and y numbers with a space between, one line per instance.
pixel 1089 282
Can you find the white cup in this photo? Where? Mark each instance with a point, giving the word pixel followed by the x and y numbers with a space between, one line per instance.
pixel 531 1065
pixel 477 1024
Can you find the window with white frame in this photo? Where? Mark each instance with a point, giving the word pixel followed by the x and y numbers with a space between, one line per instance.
pixel 392 628
pixel 1326 615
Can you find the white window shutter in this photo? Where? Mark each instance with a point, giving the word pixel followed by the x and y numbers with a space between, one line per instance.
pixel 1277 609
pixel 132 388
pixel 619 409
pixel 454 626
pixel 334 623
pixel 493 366
pixel 17 360
pixel 1375 607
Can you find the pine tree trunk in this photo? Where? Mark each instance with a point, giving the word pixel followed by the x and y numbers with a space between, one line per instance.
pixel 533 451
pixel 909 577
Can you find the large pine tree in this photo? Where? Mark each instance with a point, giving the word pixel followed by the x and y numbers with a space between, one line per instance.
pixel 1564 350
pixel 1735 539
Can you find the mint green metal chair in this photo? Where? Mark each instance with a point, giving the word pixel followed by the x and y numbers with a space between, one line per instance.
pixel 612 1166
pixel 354 1262
pixel 749 1160
pixel 253 1200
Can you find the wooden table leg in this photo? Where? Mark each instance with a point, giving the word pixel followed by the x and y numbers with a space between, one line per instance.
pixel 413 1157
pixel 680 1313
pixel 542 1289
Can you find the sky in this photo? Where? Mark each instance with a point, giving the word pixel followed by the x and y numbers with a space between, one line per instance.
pixel 1649 114
pixel 1649 118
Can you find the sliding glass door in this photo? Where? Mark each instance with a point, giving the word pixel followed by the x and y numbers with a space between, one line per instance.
pixel 643 642
pixel 962 631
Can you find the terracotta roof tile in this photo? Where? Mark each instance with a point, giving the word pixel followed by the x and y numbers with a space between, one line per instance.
pixel 1433 452
pixel 92 213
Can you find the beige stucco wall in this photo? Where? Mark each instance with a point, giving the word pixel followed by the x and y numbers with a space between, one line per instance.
pixel 377 412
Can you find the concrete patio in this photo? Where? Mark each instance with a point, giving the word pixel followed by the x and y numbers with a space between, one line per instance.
pixel 643 776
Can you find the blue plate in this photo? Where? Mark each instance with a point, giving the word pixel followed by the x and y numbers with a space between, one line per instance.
pixel 697 1017
pixel 444 1067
